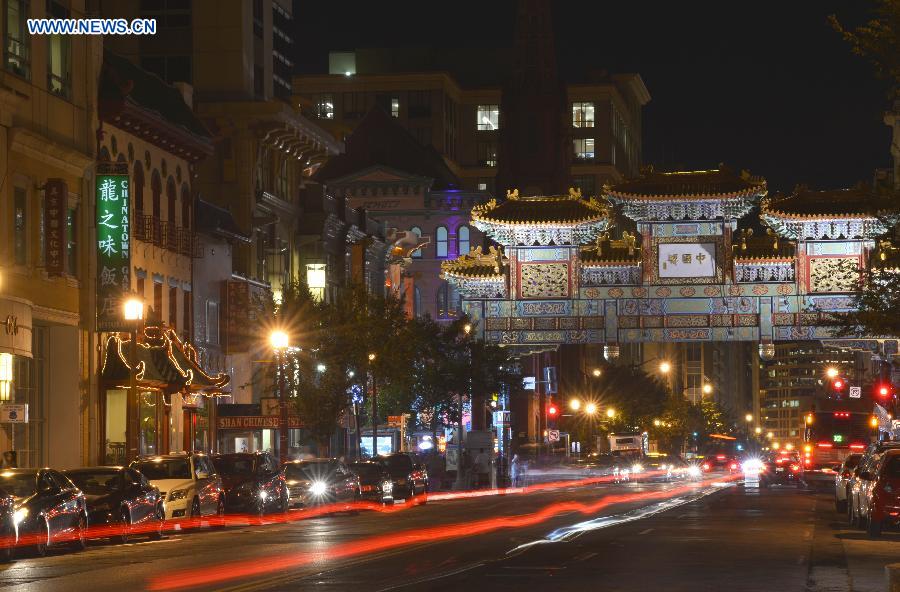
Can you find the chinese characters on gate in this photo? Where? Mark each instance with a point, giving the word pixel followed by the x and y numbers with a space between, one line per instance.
pixel 682 260
pixel 113 249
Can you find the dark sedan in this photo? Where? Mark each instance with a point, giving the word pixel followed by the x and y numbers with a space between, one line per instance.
pixel 122 500
pixel 49 509
pixel 8 532
pixel 320 481
pixel 252 482
pixel 375 483
pixel 409 477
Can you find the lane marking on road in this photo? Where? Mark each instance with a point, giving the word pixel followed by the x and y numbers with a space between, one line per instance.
pixel 648 531
pixel 584 556
pixel 434 577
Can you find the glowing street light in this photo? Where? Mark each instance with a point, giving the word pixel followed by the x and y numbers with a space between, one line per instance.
pixel 610 413
pixel 758 430
pixel 467 328
pixel 749 417
pixel 279 340
pixel 133 309
pixel 770 435
pixel 597 372
pixel 657 423
pixel 320 368
pixel 831 372
pixel 371 357
pixel 665 367
pixel 707 388
pixel 590 408
pixel 574 404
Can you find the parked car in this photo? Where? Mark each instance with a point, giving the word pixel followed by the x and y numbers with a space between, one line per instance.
pixel 842 481
pixel 122 499
pixel 374 482
pixel 49 509
pixel 880 500
pixel 253 482
pixel 857 487
pixel 9 536
pixel 409 477
pixel 187 481
pixel 320 481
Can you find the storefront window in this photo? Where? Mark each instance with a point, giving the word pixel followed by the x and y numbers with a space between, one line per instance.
pixel 116 421
pixel 148 423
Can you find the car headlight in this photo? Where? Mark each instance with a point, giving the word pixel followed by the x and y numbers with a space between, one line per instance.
pixel 263 494
pixel 178 494
pixel 637 468
pixel 20 515
pixel 694 471
pixel 387 486
pixel 318 488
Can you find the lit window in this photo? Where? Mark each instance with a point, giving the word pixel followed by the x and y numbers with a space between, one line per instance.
pixel 59 56
pixel 324 108
pixel 395 107
pixel 582 114
pixel 488 117
pixel 482 187
pixel 316 280
pixel 584 148
pixel 487 154
pixel 417 302
pixel 17 46
pixel 441 241
pixel 462 237
pixel 417 254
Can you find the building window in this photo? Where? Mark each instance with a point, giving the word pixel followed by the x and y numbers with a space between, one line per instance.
pixel 354 106
pixel 59 51
pixel 212 322
pixel 417 302
pixel 584 148
pixel 583 114
pixel 587 184
pixel 441 241
pixel 157 301
pixel 417 254
pixel 454 303
pixel 187 309
pixel 487 153
pixel 442 301
pixel 487 117
pixel 419 103
pixel 482 187
pixel 462 239
pixel 17 48
pixel 20 226
pixel 140 288
pixel 324 106
pixel 173 307
pixel 395 107
pixel 72 242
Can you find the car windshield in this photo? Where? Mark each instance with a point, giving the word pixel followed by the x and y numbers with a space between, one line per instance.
pixel 234 465
pixel 95 482
pixel 892 467
pixel 398 463
pixel 19 484
pixel 366 469
pixel 165 468
pixel 308 470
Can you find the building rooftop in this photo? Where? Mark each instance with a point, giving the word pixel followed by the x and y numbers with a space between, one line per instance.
pixel 806 204
pixel 720 183
pixel 477 265
pixel 557 210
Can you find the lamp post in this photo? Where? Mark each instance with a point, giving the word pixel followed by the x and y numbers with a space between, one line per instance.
pixel 133 313
pixel 279 341
pixel 374 407
pixel 467 329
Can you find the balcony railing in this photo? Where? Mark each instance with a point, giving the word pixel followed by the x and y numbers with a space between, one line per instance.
pixel 167 235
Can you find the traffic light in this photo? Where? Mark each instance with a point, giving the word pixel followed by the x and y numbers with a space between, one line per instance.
pixel 837 384
pixel 552 410
pixel 884 390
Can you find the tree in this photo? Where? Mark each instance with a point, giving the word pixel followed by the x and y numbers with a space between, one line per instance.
pixel 878 40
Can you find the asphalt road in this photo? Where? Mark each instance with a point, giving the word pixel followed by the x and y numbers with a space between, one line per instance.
pixel 599 537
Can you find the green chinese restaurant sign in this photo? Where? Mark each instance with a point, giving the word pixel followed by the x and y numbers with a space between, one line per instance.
pixel 113 249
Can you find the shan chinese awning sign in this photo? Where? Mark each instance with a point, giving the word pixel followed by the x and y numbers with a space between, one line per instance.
pixel 56 208
pixel 255 422
pixel 113 248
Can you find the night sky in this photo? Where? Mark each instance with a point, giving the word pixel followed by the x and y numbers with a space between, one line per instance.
pixel 766 86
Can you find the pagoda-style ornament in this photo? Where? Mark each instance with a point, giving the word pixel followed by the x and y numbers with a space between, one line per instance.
pixel 560 220
pixel 477 273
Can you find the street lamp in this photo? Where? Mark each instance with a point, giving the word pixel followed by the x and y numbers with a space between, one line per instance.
pixel 831 372
pixel 590 408
pixel 574 404
pixel 610 413
pixel 707 388
pixel 749 417
pixel 770 435
pixel 374 406
pixel 279 341
pixel 597 372
pixel 467 328
pixel 758 430
pixel 133 313
pixel 665 367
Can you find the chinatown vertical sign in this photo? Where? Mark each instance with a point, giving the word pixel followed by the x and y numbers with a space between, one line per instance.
pixel 113 245
pixel 56 209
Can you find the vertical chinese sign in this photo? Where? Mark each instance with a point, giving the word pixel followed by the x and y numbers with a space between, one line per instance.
pixel 113 246
pixel 56 207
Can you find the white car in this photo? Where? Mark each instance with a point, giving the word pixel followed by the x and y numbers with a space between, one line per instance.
pixel 842 481
pixel 187 482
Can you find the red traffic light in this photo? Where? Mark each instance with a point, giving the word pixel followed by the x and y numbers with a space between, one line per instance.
pixel 838 384
pixel 884 390
pixel 552 410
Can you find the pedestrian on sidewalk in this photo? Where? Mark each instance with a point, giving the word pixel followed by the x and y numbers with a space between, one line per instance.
pixel 514 470
pixel 482 469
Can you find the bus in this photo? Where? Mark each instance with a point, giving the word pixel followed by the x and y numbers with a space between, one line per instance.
pixel 834 429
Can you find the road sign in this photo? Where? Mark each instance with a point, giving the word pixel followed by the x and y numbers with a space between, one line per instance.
pixel 553 435
pixel 395 421
pixel 855 392
pixel 14 413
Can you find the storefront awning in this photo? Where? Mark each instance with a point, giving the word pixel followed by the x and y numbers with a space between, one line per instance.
pixel 163 362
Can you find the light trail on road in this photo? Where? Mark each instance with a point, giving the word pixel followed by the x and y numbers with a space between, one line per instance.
pixel 405 538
